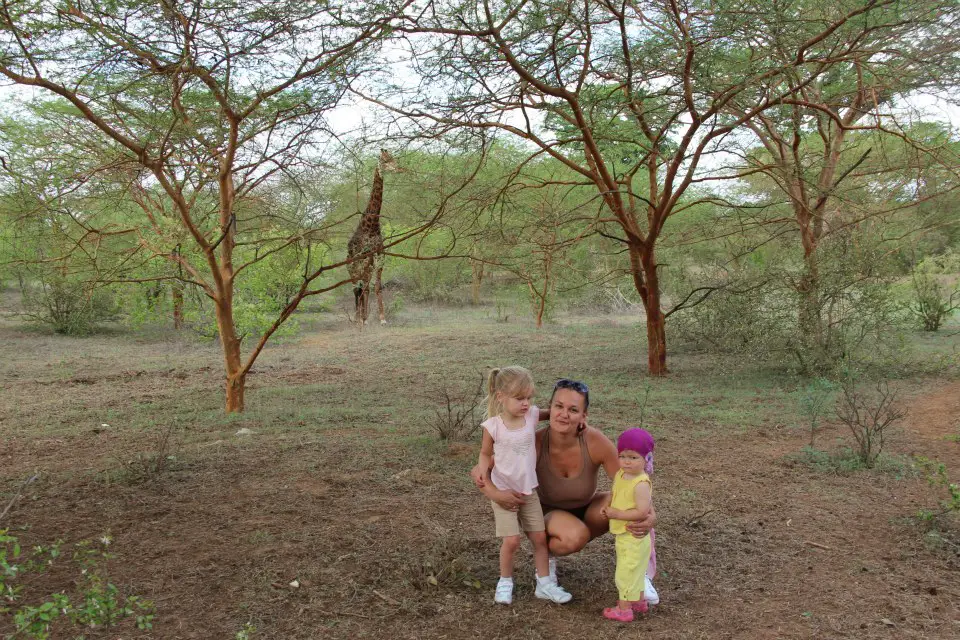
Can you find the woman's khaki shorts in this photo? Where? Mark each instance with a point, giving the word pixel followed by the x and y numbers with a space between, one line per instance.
pixel 528 518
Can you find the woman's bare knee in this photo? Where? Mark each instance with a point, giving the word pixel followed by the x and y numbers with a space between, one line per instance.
pixel 566 533
pixel 567 542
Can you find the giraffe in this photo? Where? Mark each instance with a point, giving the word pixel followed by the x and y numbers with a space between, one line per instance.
pixel 366 245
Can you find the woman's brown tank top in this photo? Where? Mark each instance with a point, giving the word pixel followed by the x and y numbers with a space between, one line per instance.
pixel 565 493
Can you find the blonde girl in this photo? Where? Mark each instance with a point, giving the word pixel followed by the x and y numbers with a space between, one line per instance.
pixel 509 444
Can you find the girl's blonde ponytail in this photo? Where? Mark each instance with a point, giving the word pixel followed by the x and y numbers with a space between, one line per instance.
pixel 493 406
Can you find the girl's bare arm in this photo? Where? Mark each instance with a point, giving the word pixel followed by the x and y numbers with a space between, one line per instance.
pixel 642 497
pixel 481 472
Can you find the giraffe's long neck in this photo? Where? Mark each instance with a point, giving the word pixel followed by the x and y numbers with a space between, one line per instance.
pixel 371 217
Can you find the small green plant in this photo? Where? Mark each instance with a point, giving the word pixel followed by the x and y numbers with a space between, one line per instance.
pixel 146 466
pixel 502 316
pixel 396 305
pixel 246 633
pixel 844 461
pixel 813 401
pixel 643 400
pixel 949 499
pixel 96 603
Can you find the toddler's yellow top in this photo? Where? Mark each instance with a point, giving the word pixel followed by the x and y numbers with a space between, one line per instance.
pixel 623 497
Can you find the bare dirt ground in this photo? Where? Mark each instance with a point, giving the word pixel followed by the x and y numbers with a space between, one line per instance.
pixel 935 419
pixel 347 490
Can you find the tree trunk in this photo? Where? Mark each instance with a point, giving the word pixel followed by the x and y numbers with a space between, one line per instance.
pixel 537 303
pixel 176 293
pixel 645 279
pixel 235 390
pixel 547 267
pixel 812 334
pixel 231 356
pixel 541 306
pixel 477 269
pixel 656 329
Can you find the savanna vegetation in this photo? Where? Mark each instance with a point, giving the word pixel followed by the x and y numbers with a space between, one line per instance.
pixel 738 222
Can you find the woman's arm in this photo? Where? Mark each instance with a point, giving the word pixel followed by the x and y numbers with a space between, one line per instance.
pixel 641 528
pixel 506 498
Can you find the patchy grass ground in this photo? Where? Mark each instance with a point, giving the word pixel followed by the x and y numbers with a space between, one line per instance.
pixel 344 486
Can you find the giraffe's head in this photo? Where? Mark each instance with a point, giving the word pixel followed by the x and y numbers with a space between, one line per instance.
pixel 388 164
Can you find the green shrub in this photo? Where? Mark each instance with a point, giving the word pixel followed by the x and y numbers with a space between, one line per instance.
pixel 845 461
pixel 754 320
pixel 758 310
pixel 932 303
pixel 69 305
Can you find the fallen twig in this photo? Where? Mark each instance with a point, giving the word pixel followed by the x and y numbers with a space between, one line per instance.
pixel 817 545
pixel 386 599
pixel 697 519
pixel 18 493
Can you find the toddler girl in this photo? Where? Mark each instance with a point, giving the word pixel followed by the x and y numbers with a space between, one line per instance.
pixel 630 501
pixel 509 443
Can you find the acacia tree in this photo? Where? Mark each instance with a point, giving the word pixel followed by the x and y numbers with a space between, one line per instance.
pixel 633 96
pixel 829 143
pixel 200 104
pixel 838 193
pixel 536 227
pixel 69 218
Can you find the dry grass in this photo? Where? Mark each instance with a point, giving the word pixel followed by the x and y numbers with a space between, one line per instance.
pixel 344 486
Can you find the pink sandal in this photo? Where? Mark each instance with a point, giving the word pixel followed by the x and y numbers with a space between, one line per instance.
pixel 618 614
pixel 640 606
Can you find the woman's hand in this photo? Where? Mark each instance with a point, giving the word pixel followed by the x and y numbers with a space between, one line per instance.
pixel 508 499
pixel 641 528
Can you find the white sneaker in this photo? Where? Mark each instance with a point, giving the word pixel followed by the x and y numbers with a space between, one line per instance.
pixel 649 593
pixel 504 592
pixel 549 589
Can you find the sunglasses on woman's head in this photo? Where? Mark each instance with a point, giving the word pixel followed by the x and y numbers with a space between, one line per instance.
pixel 575 385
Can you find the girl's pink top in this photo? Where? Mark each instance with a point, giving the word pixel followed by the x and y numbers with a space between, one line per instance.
pixel 514 453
